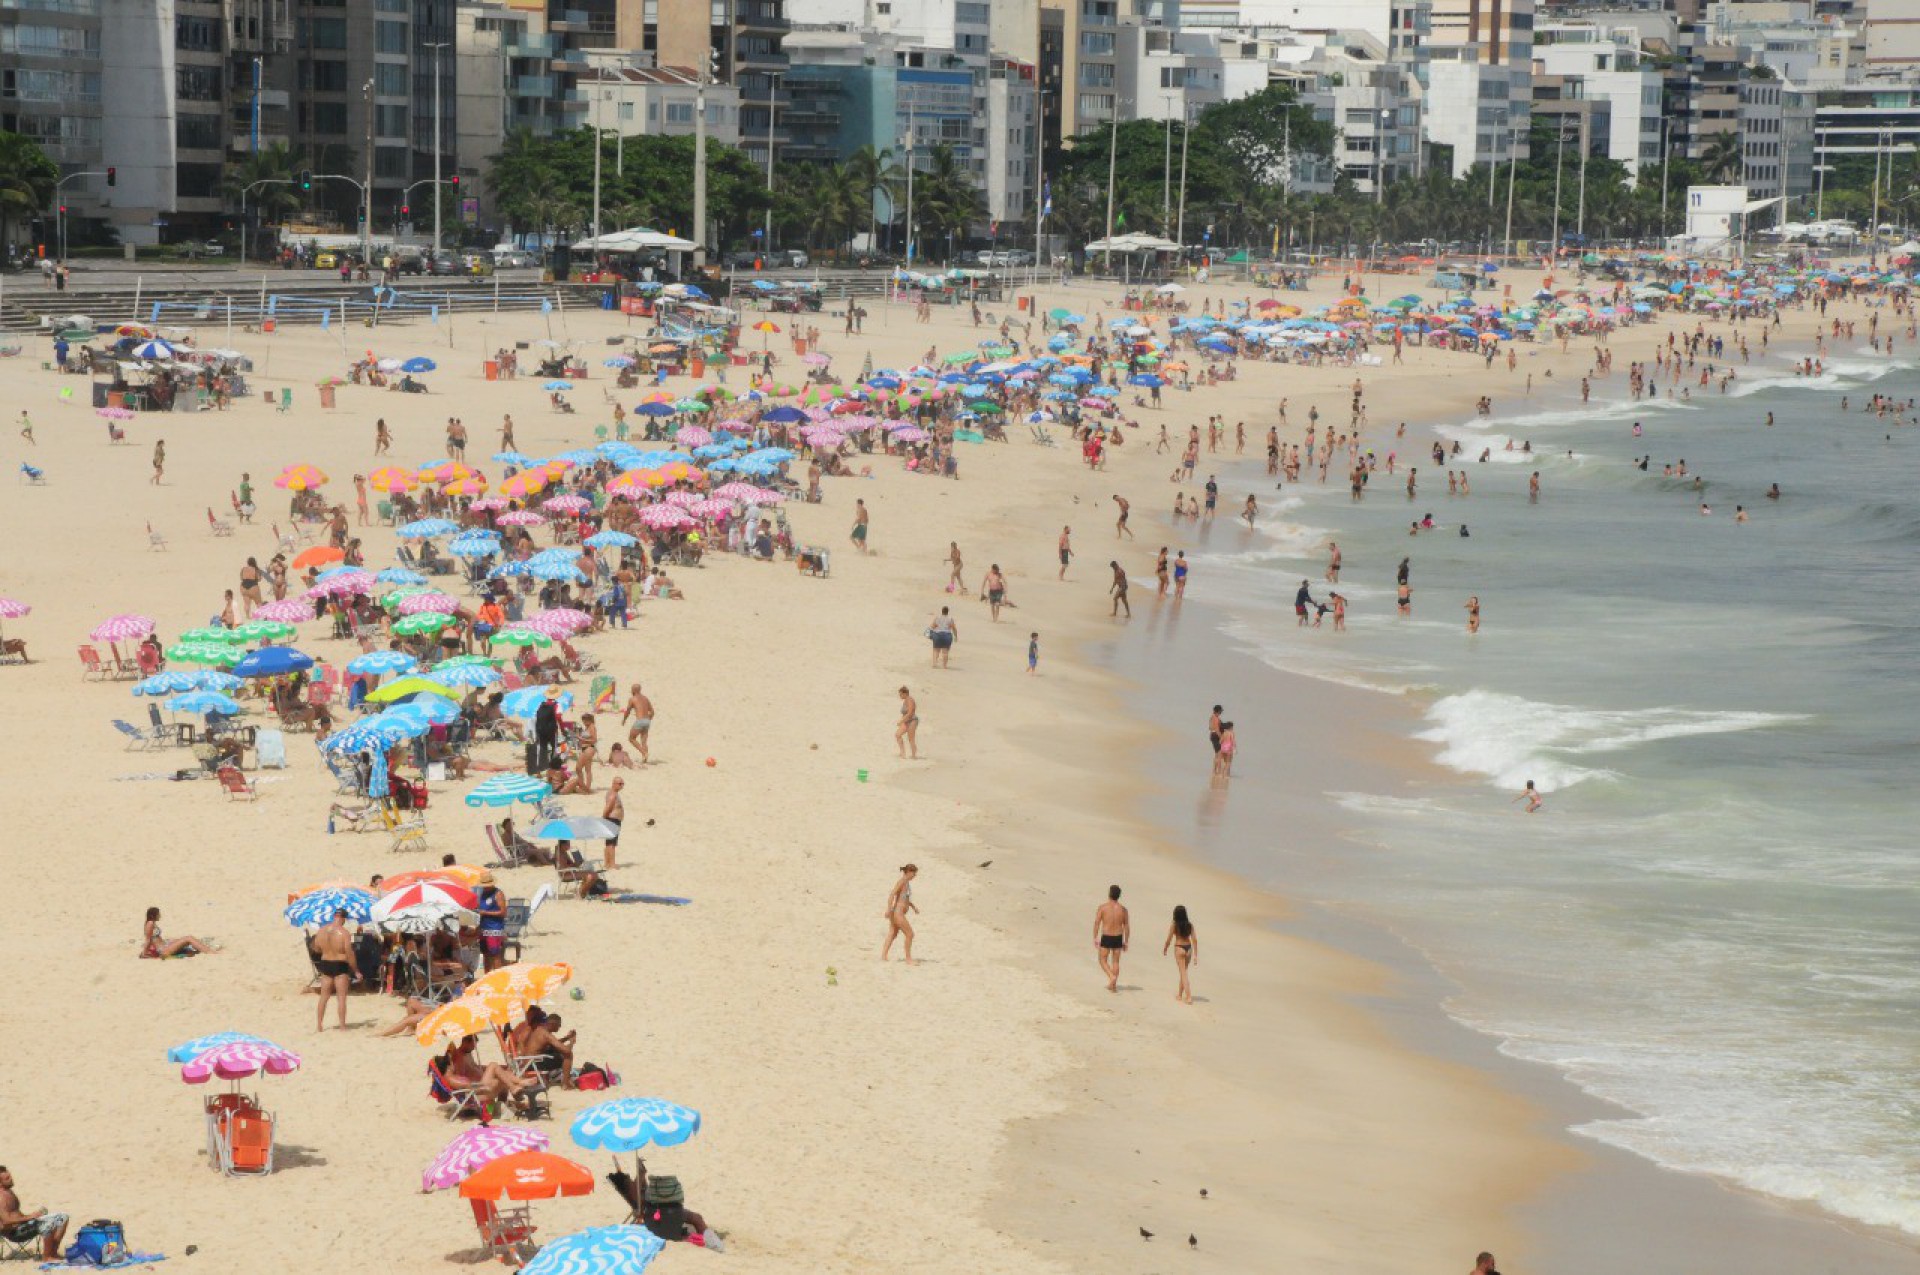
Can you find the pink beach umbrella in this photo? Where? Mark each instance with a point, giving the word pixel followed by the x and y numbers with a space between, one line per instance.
pixel 285 611
pixel 748 493
pixel 558 622
pixel 487 504
pixel 911 434
pixel 667 518
pixel 343 583
pixel 114 413
pixel 421 603
pixel 682 498
pixel 475 1149
pixel 692 436
pixel 122 628
pixel 238 1060
pixel 567 504
pixel 711 509
pixel 12 610
pixel 521 518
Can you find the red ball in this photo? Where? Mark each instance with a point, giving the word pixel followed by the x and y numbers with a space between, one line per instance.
pixel 712 762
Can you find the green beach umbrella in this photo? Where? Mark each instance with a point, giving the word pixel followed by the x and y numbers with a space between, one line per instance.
pixel 985 408
pixel 214 653
pixel 266 631
pixel 461 660
pixel 425 622
pixel 401 594
pixel 210 633
pixel 521 637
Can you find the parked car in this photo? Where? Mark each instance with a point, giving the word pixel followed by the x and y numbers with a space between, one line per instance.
pixel 792 258
pixel 409 263
pixel 326 259
pixel 446 265
pixel 744 259
pixel 513 259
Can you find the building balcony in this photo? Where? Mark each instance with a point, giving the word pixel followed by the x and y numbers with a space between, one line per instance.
pixel 535 86
pixel 756 15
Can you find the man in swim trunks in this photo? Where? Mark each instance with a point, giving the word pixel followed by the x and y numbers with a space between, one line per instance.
pixel 1111 930
pixel 48 1228
pixel 640 709
pixel 1301 601
pixel 333 959
pixel 860 525
pixel 1120 527
pixel 1213 728
pixel 1066 550
pixel 1213 496
pixel 1119 591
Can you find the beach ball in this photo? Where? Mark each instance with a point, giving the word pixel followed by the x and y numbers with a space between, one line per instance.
pixel 712 762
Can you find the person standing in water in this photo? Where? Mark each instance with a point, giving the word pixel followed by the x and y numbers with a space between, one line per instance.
pixel 1473 614
pixel 1531 796
pixel 1111 930
pixel 1119 591
pixel 899 904
pixel 1184 943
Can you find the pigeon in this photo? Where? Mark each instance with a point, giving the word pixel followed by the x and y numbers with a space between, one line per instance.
pixel 1192 1241
pixel 1145 1234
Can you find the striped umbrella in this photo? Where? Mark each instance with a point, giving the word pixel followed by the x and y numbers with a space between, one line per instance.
pixel 610 540
pixel 238 1060
pixel 466 676
pixel 415 894
pixel 628 1124
pixel 122 628
pixel 458 873
pixel 13 610
pixel 476 1148
pixel 172 682
pixel 521 518
pixel 382 663
pixel 525 483
pixel 520 636
pixel 343 583
pixel 265 631
pixel 425 622
pixel 567 504
pixel 427 529
pixel 393 478
pixel 394 575
pixel 210 633
pixel 445 471
pixel 203 702
pixel 318 907
pixel 286 611
pixel 560 621
pixel 301 478
pixel 424 603
pixel 215 653
pixel 598 1250
pixel 471 485
pixel 504 790
pixel 428 710
pixel 201 1044
pixel 667 518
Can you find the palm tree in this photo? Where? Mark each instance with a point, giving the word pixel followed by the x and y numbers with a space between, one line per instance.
pixel 876 173
pixel 945 199
pixel 520 174
pixel 263 183
pixel 1722 159
pixel 28 180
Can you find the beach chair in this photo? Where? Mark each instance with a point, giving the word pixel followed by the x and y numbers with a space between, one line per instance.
pixel 409 836
pixel 136 738
pixel 156 541
pixel 91 665
pixel 158 730
pixel 245 1142
pixel 456 1103
pixel 220 1107
pixel 384 511
pixel 148 659
pixel 571 880
pixel 519 915
pixel 504 856
pixel 236 785
pixel 506 1233
pixel 814 560
pixel 286 399
pixel 25 1250
pixel 270 750
pixel 219 526
pixel 32 476
pixel 286 541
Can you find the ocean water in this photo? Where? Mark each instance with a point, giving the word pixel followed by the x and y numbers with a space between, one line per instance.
pixel 1712 923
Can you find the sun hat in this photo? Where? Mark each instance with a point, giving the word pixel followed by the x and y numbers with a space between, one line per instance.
pixel 664 1188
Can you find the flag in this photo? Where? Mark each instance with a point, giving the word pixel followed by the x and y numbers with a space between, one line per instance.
pixel 1046 197
pixel 546 306
pixel 1121 220
pixel 325 315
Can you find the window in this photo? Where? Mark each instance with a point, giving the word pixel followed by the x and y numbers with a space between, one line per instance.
pixel 327 33
pixel 968 13
pixel 389 37
pixel 680 112
pixel 389 79
pixel 390 161
pixel 325 77
pixel 390 121
pixel 197 83
pixel 1173 77
pixel 330 119
pixel 198 132
pixel 50 42
pixel 1096 74
pixel 50 86
pixel 1098 43
pixel 201 34
pixel 197 181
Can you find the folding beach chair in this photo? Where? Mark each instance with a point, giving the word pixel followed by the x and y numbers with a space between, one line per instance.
pixel 155 540
pixel 136 738
pixel 158 730
pixel 25 1250
pixel 32 476
pixel 219 526
pixel 236 785
pixel 245 1142
pixel 518 916
pixel 456 1103
pixel 91 665
pixel 506 1233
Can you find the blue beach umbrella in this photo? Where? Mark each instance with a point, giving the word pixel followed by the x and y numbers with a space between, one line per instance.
pixel 318 907
pixel 610 540
pixel 628 1124
pixel 1146 380
pixel 203 702
pixel 525 702
pixel 577 828
pixel 271 661
pixel 784 414
pixel 599 1250
pixel 504 790
pixel 557 387
pixel 466 675
pixel 155 349
pixel 398 575
pixel 506 569
pixel 419 364
pixel 171 682
pixel 556 571
pixel 654 409
pixel 429 710
pixel 201 1044
pixel 383 663
pixel 427 528
pixel 475 547
pixel 520 459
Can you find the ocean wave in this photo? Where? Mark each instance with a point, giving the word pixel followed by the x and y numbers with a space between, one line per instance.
pixel 1510 740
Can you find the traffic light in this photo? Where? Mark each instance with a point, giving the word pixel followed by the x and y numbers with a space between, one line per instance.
pixel 306 179
pixel 455 179
pixel 113 177
pixel 405 210
pixel 63 210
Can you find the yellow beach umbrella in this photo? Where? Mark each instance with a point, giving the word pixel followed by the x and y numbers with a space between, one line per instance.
pixel 301 478
pixel 525 980
pixel 524 483
pixel 470 485
pixel 392 478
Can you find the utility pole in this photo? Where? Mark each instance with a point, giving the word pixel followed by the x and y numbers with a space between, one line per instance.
pixel 773 94
pixel 366 192
pixel 1113 140
pixel 1666 152
pixel 436 143
pixel 1873 249
pixel 598 93
pixel 254 122
pixel 1559 153
pixel 1513 163
pixel 1166 175
pixel 1186 130
pixel 910 181
pixel 699 165
pixel 1585 145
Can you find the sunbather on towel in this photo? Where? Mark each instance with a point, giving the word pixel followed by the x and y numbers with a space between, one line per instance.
pixel 154 945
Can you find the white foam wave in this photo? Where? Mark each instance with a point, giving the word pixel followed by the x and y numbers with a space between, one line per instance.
pixel 1510 739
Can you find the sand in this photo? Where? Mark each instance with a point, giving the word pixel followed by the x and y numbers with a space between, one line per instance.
pixel 992 1109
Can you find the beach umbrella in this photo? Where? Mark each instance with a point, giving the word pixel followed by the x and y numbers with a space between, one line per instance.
pixel 203 702
pixel 466 676
pixel 525 702
pixel 519 460
pixel 351 580
pixel 154 349
pixel 440 893
pixel 259 630
pixel 523 484
pixel 422 603
pixel 557 387
pixel 382 663
pixel 317 907
pixel 392 478
pixel 271 661
pixel 521 518
pixel 424 623
pixel 173 682
pixel 210 633
pixel 458 873
pixel 577 828
pixel 519 635
pixel 427 529
pixel 506 789
pixel 419 364
pixel 554 571
pixel 122 628
pixel 427 710
pixel 523 980
pixel 506 569
pixel 467 485
pixel 202 1044
pixel 301 478
pixel 528 1175
pixel 476 1148
pixel 204 653
pixel 628 1124
pixel 603 1250
pixel 474 547
pixel 402 687
pixel 11 609
pixel 285 611
pixel 396 575
pixel 461 661
pixel 568 504
pixel 610 540
pixel 560 621
pixel 317 556
pixel 239 1059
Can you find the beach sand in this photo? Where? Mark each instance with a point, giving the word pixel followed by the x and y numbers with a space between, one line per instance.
pixel 992 1109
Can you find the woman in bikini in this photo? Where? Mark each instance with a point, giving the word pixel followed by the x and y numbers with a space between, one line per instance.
pixel 156 946
pixel 1185 946
pixel 899 903
pixel 904 734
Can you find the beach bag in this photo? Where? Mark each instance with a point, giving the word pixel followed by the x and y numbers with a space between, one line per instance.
pixel 100 1243
pixel 594 1076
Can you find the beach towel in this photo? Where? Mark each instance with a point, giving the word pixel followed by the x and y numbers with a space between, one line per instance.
pixel 270 748
pixel 84 1264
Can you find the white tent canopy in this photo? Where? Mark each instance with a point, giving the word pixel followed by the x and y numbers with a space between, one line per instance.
pixel 1133 243
pixel 638 239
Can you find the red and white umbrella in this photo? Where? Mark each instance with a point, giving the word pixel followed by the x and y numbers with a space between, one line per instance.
pixel 421 603
pixel 748 493
pixel 567 504
pixel 449 893
pixel 342 583
pixel 238 1060
pixel 476 1148
pixel 711 509
pixel 12 610
pixel 122 628
pixel 667 518
pixel 559 621
pixel 691 436
pixel 285 611
pixel 521 518
pixel 682 498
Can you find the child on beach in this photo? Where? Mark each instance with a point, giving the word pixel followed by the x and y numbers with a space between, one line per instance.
pixel 1033 653
pixel 1223 759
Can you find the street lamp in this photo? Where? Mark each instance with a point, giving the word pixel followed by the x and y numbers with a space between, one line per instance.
pixel 773 94
pixel 366 191
pixel 437 63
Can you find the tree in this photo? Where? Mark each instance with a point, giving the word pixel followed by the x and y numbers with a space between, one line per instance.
pixel 881 177
pixel 28 181
pixel 1723 160
pixel 263 183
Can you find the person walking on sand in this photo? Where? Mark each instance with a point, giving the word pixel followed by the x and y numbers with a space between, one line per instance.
pixel 382 440
pixel 333 961
pixel 360 498
pixel 615 813
pixel 1223 759
pixel 899 904
pixel 1185 946
pixel 942 630
pixel 1119 591
pixel 956 569
pixel 906 734
pixel 26 430
pixel 860 525
pixel 1120 527
pixel 1111 930
pixel 640 709
pixel 994 589
pixel 1066 551
pixel 1033 653
pixel 159 461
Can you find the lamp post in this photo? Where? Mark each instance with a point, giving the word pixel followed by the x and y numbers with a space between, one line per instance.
pixel 1560 150
pixel 909 253
pixel 773 94
pixel 366 190
pixel 1666 152
pixel 1166 174
pixel 1513 163
pixel 1113 140
pixel 1186 131
pixel 699 167
pixel 437 60
pixel 598 95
